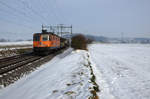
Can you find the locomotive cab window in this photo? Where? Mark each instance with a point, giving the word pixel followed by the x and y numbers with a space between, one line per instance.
pixel 36 38
pixel 45 37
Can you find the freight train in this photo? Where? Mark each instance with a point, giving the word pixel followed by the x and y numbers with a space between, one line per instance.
pixel 47 42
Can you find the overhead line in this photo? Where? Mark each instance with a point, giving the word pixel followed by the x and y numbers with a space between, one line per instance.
pixel 60 11
pixel 18 11
pixel 15 15
pixel 34 11
pixel 10 21
pixel 54 13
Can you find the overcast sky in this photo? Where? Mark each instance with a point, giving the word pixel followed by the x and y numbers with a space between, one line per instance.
pixel 19 19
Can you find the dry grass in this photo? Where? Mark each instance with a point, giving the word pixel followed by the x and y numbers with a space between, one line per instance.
pixel 10 52
pixel 93 92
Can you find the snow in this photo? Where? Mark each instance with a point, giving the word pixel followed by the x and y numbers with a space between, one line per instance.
pixel 122 70
pixel 104 89
pixel 16 43
pixel 64 77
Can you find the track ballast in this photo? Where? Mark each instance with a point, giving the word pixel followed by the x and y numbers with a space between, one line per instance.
pixel 15 67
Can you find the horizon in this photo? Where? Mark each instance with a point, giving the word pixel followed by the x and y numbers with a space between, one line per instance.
pixel 87 35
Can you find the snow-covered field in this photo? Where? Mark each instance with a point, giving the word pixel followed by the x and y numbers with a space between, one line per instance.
pixel 124 70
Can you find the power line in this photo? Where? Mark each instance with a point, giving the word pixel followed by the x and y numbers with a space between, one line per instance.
pixel 15 15
pixel 15 10
pixel 42 18
pixel 19 24
pixel 54 13
pixel 29 17
pixel 60 11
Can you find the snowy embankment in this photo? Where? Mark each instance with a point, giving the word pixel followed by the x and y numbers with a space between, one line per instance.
pixel 16 43
pixel 67 76
pixel 12 48
pixel 123 70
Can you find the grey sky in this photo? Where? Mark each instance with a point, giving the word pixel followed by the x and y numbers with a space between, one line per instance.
pixel 21 18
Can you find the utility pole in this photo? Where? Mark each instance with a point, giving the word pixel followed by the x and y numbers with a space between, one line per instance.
pixel 42 27
pixel 70 40
pixel 122 37
pixel 61 29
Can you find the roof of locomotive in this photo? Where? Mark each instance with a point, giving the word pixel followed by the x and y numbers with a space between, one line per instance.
pixel 49 33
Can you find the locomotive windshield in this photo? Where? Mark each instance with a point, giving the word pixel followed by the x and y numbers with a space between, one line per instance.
pixel 36 38
pixel 45 37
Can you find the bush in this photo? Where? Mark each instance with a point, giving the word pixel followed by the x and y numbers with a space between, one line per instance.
pixel 79 42
pixel 89 41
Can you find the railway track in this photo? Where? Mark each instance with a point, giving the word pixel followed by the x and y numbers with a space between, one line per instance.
pixel 2 60
pixel 9 58
pixel 11 63
pixel 16 63
pixel 13 68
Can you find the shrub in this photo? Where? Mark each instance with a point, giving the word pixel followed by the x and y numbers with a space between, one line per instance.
pixel 89 41
pixel 79 42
